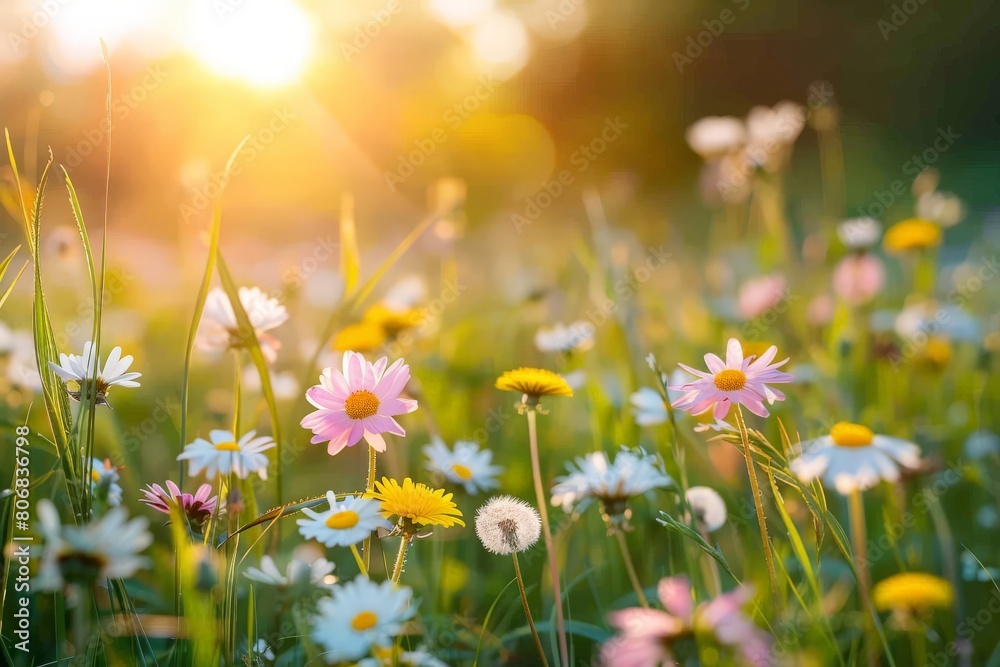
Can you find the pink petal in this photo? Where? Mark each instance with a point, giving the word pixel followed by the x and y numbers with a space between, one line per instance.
pixel 376 441
pixel 675 594
pixel 734 354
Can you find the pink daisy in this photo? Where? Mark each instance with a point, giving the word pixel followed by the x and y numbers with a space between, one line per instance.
pixel 645 635
pixel 198 507
pixel 360 402
pixel 738 380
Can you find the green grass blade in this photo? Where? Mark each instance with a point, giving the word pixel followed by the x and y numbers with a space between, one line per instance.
pixel 486 621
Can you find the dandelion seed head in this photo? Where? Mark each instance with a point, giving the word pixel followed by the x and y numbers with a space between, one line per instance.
pixel 507 525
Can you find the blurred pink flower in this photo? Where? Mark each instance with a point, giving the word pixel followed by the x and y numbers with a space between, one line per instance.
pixel 359 402
pixel 645 635
pixel 858 278
pixel 198 507
pixel 738 380
pixel 820 310
pixel 759 295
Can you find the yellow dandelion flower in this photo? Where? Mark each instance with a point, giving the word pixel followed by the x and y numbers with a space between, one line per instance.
pixel 912 591
pixel 360 337
pixel 416 503
pixel 937 353
pixel 534 382
pixel 912 234
pixel 393 322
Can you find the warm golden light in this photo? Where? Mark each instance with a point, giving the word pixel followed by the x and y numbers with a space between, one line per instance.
pixel 459 12
pixel 264 42
pixel 499 38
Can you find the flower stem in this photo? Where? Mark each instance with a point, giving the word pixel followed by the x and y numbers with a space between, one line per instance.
pixel 859 539
pixel 81 625
pixel 758 504
pixel 630 568
pixel 369 486
pixel 397 569
pixel 536 473
pixel 357 559
pixel 527 612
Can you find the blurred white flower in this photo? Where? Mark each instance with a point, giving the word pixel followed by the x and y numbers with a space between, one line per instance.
pixel 507 525
pixel 943 208
pixel 298 573
pixel 632 473
pixel 405 294
pixel 577 337
pixel 708 507
pixel 219 331
pixel 771 127
pixel 107 547
pixel 648 407
pixel 466 464
pixel 714 136
pixel 284 384
pixel 857 233
pixel 104 482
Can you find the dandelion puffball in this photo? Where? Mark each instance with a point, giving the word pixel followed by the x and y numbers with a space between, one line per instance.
pixel 507 525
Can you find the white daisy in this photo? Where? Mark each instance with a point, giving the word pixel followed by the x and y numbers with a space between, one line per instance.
pixel 857 233
pixel 360 615
pixel 87 554
pixel 223 453
pixel 719 425
pixel 466 464
pixel 104 482
pixel 633 473
pixel 80 369
pixel 345 523
pixel 219 330
pixel 708 507
pixel 298 573
pixel 577 337
pixel 853 458
pixel 507 525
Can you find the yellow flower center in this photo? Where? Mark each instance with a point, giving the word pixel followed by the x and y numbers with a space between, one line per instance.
pixel 730 380
pixel 364 621
pixel 342 520
pixel 462 471
pixel 361 404
pixel 230 446
pixel 846 434
pixel 95 475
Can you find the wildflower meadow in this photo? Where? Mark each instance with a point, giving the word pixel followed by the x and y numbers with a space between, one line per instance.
pixel 438 334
